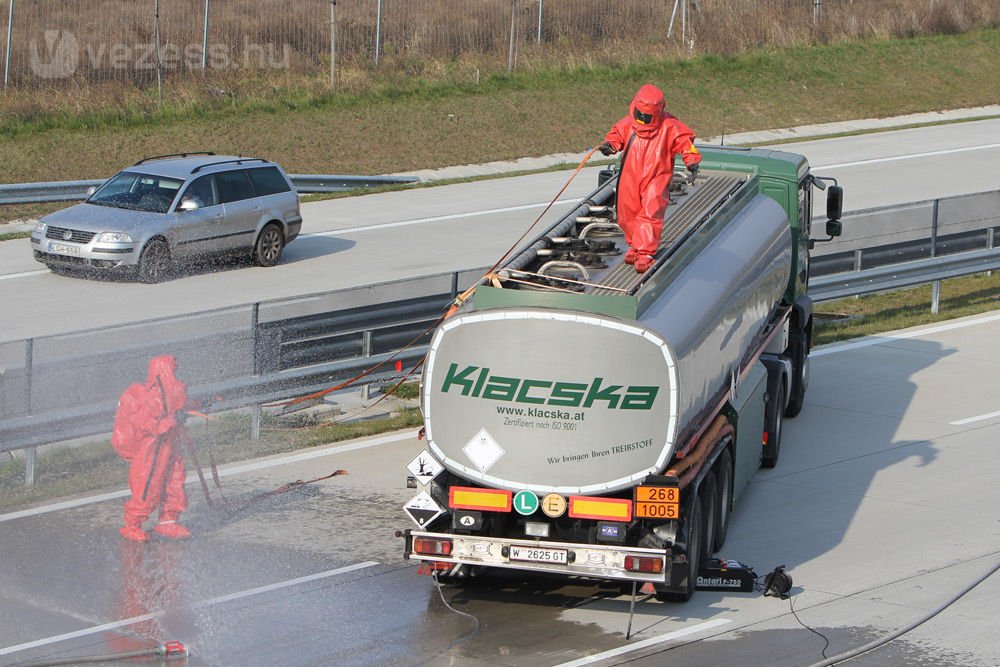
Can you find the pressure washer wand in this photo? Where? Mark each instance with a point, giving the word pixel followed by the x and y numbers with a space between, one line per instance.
pixel 169 650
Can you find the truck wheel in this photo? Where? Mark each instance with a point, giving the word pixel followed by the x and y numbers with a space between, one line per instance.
pixel 724 493
pixel 774 418
pixel 694 548
pixel 798 352
pixel 710 508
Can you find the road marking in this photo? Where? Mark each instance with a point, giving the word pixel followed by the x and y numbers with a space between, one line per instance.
pixel 24 275
pixel 114 625
pixel 977 418
pixel 438 218
pixel 646 643
pixel 912 156
pixel 223 472
pixel 881 340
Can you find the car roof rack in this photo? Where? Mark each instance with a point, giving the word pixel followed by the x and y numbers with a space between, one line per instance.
pixel 240 160
pixel 163 157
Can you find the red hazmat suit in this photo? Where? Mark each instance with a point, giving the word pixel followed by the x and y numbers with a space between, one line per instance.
pixel 646 170
pixel 146 434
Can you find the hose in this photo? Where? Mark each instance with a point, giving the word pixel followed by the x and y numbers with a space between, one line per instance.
pixel 853 653
pixel 168 650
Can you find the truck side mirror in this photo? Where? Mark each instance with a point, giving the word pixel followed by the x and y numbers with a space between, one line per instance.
pixel 833 228
pixel 834 204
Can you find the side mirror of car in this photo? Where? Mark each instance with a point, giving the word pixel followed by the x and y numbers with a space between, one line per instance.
pixel 90 191
pixel 189 205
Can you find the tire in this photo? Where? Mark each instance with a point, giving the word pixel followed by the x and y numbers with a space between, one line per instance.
pixel 724 497
pixel 769 455
pixel 694 548
pixel 270 244
pixel 709 496
pixel 154 263
pixel 798 352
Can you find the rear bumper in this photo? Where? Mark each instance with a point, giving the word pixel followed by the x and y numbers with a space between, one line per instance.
pixel 600 561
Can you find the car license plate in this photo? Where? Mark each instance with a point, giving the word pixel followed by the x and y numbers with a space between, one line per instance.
pixel 60 249
pixel 536 555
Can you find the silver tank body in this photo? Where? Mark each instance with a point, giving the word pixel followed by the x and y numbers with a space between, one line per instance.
pixel 576 403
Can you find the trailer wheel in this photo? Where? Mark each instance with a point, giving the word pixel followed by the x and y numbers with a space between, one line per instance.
pixel 710 508
pixel 775 420
pixel 695 540
pixel 724 493
pixel 798 352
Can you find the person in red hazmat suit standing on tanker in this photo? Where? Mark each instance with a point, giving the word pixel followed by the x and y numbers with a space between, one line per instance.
pixel 651 138
pixel 147 434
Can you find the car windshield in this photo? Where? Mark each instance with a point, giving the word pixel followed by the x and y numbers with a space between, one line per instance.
pixel 138 192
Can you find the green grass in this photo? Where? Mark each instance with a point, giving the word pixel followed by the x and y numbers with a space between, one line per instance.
pixel 878 313
pixel 420 124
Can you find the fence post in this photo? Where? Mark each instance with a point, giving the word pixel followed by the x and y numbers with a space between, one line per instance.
pixel 538 39
pixel 378 30
pixel 159 55
pixel 512 50
pixel 10 30
pixel 333 43
pixel 936 286
pixel 817 10
pixel 204 39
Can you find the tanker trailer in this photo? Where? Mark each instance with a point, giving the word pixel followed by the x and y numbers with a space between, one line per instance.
pixel 586 420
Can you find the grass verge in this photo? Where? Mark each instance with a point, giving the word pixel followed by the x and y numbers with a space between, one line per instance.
pixel 95 467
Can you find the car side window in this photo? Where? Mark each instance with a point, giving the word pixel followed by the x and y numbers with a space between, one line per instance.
pixel 268 181
pixel 202 191
pixel 234 186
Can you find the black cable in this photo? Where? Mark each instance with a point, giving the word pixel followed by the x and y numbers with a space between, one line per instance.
pixel 791 606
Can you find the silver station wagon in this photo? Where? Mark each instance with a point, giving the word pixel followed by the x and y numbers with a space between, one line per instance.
pixel 171 209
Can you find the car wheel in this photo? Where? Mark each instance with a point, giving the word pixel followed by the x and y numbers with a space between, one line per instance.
pixel 270 243
pixel 154 263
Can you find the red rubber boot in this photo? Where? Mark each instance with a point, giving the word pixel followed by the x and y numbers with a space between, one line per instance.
pixel 630 256
pixel 642 263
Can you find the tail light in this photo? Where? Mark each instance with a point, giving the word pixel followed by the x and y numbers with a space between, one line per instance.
pixel 426 546
pixel 648 564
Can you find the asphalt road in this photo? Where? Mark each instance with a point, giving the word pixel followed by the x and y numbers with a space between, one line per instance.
pixel 400 235
pixel 882 507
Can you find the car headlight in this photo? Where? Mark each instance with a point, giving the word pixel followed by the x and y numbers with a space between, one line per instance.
pixel 114 237
pixel 40 228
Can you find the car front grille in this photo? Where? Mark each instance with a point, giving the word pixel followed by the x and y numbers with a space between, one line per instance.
pixel 76 235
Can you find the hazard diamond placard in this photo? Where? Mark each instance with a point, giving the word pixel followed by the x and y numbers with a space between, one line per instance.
pixel 422 509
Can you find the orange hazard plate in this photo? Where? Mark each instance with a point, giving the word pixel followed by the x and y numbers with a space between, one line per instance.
pixel 657 502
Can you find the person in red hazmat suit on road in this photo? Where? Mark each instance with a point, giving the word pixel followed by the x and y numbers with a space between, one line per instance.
pixel 651 138
pixel 147 434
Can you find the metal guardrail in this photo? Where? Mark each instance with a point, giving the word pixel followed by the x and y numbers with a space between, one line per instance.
pixel 60 388
pixel 905 274
pixel 56 191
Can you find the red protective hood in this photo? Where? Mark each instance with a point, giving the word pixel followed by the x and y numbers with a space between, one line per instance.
pixel 161 373
pixel 649 100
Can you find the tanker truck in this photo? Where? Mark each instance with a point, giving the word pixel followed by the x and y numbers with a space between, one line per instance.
pixel 585 420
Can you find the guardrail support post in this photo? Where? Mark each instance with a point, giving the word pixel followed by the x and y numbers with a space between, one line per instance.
pixel 989 243
pixel 29 465
pixel 255 422
pixel 366 351
pixel 936 286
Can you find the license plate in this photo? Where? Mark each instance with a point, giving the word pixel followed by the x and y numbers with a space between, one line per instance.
pixel 60 249
pixel 537 555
